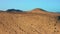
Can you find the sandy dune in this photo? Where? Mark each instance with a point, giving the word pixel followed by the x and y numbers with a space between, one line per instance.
pixel 34 22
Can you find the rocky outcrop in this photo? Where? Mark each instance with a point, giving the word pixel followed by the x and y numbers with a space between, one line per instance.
pixel 34 22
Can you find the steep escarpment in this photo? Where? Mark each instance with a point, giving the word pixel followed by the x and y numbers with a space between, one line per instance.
pixel 34 22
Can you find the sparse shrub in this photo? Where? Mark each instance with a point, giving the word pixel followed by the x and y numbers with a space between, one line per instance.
pixel 58 17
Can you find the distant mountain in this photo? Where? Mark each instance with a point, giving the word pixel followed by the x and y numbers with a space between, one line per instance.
pixel 14 10
pixel 58 12
pixel 39 9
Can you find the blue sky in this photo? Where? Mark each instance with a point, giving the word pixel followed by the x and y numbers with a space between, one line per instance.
pixel 49 5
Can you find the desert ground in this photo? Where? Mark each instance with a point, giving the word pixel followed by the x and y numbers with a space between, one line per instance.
pixel 33 22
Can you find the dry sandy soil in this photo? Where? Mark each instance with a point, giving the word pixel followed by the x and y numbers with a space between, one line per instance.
pixel 34 22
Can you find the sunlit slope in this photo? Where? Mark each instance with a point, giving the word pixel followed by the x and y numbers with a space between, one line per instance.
pixel 29 23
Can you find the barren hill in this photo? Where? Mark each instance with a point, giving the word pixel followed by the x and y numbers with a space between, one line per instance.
pixel 34 22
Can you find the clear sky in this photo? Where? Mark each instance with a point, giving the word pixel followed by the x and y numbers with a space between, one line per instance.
pixel 49 5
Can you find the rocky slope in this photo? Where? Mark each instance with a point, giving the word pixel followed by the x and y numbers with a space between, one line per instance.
pixel 34 22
